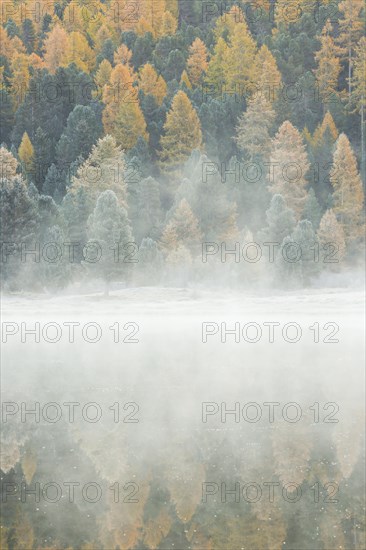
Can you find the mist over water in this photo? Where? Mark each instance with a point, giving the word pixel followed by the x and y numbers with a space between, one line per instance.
pixel 172 426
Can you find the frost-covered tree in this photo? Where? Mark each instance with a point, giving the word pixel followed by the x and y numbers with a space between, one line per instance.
pixel 109 231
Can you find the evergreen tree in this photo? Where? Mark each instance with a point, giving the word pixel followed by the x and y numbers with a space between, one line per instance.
pixel 348 195
pixel 149 209
pixel 75 210
pixel 150 263
pixel 56 270
pixel 83 129
pixel 280 222
pixel 331 239
pixel 312 211
pixel 55 184
pixel 109 226
pixel 307 241
pixel 290 165
pixel 18 224
pixel 28 35
pixel 182 133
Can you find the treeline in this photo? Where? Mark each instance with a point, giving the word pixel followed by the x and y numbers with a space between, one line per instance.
pixel 171 125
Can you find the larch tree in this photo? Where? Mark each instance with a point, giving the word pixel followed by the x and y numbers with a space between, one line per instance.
pixel 20 77
pixel 348 195
pixel 289 162
pixel 122 55
pixel 184 225
pixel 215 74
pixel 359 93
pixel 122 116
pixel 253 130
pixel 169 24
pixel 239 62
pixel 182 133
pixel 184 79
pixel 152 83
pixel 55 47
pixel 8 164
pixel 329 66
pixel 79 52
pixel 197 61
pixel 327 123
pixel 26 155
pixel 103 169
pixel 351 28
pixel 102 77
pixel 331 238
pixel 268 77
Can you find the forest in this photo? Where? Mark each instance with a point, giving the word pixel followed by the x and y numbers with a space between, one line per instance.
pixel 178 147
pixel 163 142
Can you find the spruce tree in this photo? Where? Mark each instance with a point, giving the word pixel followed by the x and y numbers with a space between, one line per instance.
pixel 109 227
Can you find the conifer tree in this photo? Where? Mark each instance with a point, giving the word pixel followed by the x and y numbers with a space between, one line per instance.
pixel 55 46
pixel 329 68
pixel 351 28
pixel 122 116
pixel 253 130
pixel 103 169
pixel 359 94
pixel 280 222
pixel 78 51
pixel 290 165
pixel 102 77
pixel 197 61
pixel 312 211
pixel 348 195
pixel 182 133
pixel 151 83
pixel 109 226
pixel 239 62
pixel 268 77
pixel 185 228
pixel 8 164
pixel 331 234
pixel 184 80
pixel 26 155
pixel 216 69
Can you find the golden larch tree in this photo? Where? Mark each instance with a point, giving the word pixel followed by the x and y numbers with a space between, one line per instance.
pixel 152 83
pixel 289 165
pixel 122 116
pixel 197 61
pixel 329 66
pixel 348 195
pixel 55 46
pixel 182 133
pixel 351 28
